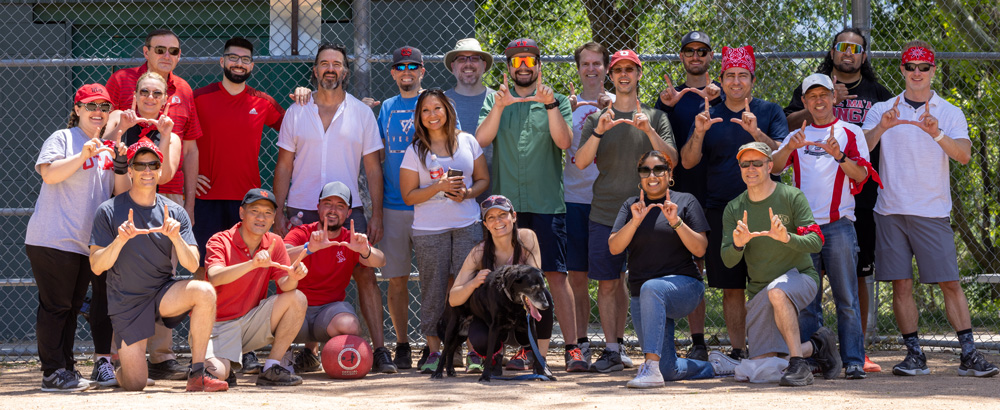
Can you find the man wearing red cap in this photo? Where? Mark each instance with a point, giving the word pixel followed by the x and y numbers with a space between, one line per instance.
pixel 715 137
pixel 618 136
pixel 920 129
pixel 133 238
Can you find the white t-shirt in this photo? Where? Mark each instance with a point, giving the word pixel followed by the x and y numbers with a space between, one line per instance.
pixel 914 169
pixel 322 156
pixel 440 213
pixel 820 176
pixel 579 184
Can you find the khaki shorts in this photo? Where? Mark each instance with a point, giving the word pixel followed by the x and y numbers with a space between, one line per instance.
pixel 247 333
pixel 397 243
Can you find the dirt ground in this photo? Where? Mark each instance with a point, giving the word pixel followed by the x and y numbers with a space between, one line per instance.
pixel 943 389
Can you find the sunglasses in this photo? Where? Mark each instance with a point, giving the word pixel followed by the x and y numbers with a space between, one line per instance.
pixel 406 66
pixel 233 57
pixel 146 93
pixel 142 166
pixel 849 48
pixel 619 70
pixel 495 200
pixel 528 61
pixel 174 51
pixel 690 52
pixel 469 59
pixel 91 107
pixel 755 163
pixel 923 67
pixel 657 170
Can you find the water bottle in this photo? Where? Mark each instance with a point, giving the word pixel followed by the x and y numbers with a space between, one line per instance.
pixel 436 171
pixel 295 220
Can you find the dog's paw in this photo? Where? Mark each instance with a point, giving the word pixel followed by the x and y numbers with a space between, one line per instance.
pixel 485 378
pixel 451 373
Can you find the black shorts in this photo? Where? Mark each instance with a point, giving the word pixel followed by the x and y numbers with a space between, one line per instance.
pixel 865 227
pixel 138 322
pixel 719 275
pixel 210 218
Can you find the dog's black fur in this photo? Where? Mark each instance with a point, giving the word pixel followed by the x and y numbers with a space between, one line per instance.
pixel 499 302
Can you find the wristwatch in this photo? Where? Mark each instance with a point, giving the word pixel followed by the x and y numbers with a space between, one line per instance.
pixel 843 157
pixel 552 105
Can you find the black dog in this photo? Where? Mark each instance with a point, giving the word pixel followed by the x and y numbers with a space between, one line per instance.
pixel 501 302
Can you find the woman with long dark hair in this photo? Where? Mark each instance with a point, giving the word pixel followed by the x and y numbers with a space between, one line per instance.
pixel 663 231
pixel 444 204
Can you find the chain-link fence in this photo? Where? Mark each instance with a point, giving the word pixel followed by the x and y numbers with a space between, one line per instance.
pixel 49 48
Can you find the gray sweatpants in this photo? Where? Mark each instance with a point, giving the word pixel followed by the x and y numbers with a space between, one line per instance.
pixel 439 257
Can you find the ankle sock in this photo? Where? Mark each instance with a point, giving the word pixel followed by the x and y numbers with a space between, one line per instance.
pixel 582 340
pixel 570 347
pixel 698 339
pixel 197 367
pixel 965 339
pixel 912 344
pixel 270 362
pixel 404 344
pixel 612 347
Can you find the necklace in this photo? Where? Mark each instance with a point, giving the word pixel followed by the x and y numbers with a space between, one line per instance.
pixel 851 87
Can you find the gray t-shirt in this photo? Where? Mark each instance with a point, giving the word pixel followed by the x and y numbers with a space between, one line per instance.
pixel 467 108
pixel 143 265
pixel 64 212
pixel 617 158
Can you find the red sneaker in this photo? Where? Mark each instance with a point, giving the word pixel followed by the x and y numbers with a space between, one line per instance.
pixel 204 381
pixel 871 367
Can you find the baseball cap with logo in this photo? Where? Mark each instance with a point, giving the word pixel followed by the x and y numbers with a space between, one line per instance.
pixel 521 45
pixel 144 144
pixel 91 92
pixel 407 54
pixel 624 55
pixel 696 37
pixel 337 189
pixel 258 194
pixel 817 79
pixel 754 146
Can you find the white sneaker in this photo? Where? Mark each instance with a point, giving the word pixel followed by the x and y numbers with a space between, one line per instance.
pixel 722 364
pixel 649 377
pixel 587 354
pixel 625 359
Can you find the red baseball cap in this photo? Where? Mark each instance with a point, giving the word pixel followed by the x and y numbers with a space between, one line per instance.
pixel 91 92
pixel 627 55
pixel 144 144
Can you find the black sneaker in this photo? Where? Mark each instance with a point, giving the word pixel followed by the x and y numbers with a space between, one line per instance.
pixel 610 361
pixel 250 363
pixel 912 365
pixel 797 374
pixel 424 353
pixel 698 352
pixel 404 357
pixel 104 373
pixel 382 361
pixel 169 369
pixel 826 353
pixel 522 360
pixel 231 380
pixel 976 365
pixel 854 372
pixel 63 380
pixel 306 361
pixel 276 375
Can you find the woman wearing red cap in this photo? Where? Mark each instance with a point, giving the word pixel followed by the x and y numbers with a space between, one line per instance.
pixel 76 169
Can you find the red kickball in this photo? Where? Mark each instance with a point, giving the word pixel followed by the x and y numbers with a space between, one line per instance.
pixel 347 357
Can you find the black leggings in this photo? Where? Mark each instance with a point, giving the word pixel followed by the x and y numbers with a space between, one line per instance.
pixel 479 333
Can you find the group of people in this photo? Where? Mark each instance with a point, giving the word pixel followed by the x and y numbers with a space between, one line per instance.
pixel 150 175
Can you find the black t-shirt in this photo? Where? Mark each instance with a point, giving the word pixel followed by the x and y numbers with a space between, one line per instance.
pixel 656 250
pixel 681 117
pixel 854 111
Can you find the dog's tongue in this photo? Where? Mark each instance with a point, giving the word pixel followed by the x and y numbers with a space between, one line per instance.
pixel 531 309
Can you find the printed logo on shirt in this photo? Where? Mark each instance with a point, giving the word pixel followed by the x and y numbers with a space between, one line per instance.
pixel 253 111
pixel 340 257
pixel 785 219
pixel 175 100
pixel 407 125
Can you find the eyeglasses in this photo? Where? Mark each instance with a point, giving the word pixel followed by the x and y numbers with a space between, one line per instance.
pixel 468 59
pixel 755 163
pixel 690 52
pixel 528 61
pixel 233 57
pixel 174 51
pixel 142 166
pixel 657 170
pixel 91 107
pixel 146 93
pixel 923 67
pixel 406 66
pixel 849 48
pixel 619 70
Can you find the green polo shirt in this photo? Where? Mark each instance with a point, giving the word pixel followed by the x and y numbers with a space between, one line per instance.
pixel 527 164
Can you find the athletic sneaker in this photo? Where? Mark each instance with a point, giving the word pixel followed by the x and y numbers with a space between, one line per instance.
pixel 306 361
pixel 250 363
pixel 404 357
pixel 698 352
pixel 424 353
pixel 722 364
pixel 205 381
pixel 976 365
pixel 797 373
pixel 854 372
pixel 168 369
pixel 649 377
pixel 277 375
pixel 431 364
pixel 231 379
pixel 64 380
pixel 474 363
pixel 588 355
pixel 522 360
pixel 610 361
pixel 574 361
pixel 826 354
pixel 104 373
pixel 382 361
pixel 871 367
pixel 912 365
pixel 626 361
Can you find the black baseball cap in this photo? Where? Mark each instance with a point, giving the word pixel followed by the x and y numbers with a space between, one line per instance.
pixel 407 54
pixel 521 45
pixel 696 37
pixel 258 194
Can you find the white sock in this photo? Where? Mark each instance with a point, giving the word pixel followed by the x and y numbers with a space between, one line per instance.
pixel 612 347
pixel 270 362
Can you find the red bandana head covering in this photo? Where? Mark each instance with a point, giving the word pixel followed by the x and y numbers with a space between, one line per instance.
pixel 738 57
pixel 918 54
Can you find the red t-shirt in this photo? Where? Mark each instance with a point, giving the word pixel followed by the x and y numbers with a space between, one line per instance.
pixel 236 298
pixel 229 149
pixel 330 269
pixel 121 87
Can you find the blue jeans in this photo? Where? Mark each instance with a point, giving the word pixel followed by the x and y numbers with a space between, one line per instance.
pixel 661 301
pixel 839 257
